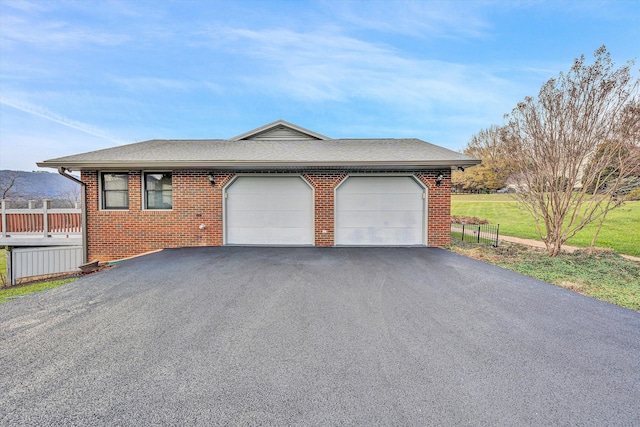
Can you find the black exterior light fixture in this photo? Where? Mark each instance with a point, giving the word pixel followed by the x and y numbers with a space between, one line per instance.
pixel 439 179
pixel 212 179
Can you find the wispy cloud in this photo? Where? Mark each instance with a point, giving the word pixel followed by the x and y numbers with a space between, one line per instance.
pixel 27 6
pixel 57 35
pixel 42 112
pixel 413 17
pixel 54 34
pixel 325 65
pixel 151 84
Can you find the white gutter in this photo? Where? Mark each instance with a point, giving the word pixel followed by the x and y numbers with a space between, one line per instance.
pixel 83 201
pixel 253 164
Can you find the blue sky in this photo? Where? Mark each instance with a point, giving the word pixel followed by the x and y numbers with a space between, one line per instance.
pixel 86 75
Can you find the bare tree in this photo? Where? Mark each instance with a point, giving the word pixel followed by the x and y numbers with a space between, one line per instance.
pixel 71 196
pixel 573 146
pixel 10 185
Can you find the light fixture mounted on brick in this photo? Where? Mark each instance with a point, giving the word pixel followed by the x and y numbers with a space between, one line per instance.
pixel 212 179
pixel 439 179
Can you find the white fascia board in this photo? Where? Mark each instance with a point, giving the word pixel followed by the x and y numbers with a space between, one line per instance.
pixel 137 165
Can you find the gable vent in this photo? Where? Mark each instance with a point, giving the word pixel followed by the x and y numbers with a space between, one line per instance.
pixel 281 133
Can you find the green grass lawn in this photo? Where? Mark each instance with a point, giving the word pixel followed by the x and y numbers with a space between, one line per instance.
pixel 8 294
pixel 3 261
pixel 620 232
pixel 603 275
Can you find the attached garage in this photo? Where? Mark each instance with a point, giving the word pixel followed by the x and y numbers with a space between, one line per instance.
pixel 380 211
pixel 279 184
pixel 269 210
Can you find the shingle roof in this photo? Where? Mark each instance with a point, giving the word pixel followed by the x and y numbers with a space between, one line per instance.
pixel 267 153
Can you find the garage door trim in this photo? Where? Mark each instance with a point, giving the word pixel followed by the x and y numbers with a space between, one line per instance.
pixel 225 240
pixel 425 199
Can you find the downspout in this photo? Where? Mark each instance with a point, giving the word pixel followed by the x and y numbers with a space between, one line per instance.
pixel 83 202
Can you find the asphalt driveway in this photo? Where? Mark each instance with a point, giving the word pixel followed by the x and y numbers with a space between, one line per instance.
pixel 316 336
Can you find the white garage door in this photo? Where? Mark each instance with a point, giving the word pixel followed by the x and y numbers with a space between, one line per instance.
pixel 269 211
pixel 380 211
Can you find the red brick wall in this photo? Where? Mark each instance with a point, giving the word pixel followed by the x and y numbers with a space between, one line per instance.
pixel 116 234
pixel 439 207
pixel 324 184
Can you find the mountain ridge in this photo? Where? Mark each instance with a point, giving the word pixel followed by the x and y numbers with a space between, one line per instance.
pixel 36 185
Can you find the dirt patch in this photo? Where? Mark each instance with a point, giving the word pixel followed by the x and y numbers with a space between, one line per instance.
pixel 58 276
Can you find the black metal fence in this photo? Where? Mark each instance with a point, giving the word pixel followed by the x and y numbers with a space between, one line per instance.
pixel 478 233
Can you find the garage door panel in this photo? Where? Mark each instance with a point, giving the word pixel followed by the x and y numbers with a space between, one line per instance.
pixel 267 236
pixel 378 211
pixel 269 202
pixel 383 185
pixel 293 219
pixel 386 219
pixel 267 184
pixel 367 202
pixel 382 236
pixel 269 211
pixel 391 219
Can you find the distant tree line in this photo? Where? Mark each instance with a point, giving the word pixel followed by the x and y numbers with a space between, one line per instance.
pixel 492 174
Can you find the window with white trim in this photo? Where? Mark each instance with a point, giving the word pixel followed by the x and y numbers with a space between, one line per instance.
pixel 115 190
pixel 158 190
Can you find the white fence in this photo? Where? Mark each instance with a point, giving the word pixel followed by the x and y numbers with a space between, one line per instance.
pixel 43 221
pixel 40 241
pixel 31 262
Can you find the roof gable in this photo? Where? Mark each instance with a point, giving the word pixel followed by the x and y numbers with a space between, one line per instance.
pixel 279 130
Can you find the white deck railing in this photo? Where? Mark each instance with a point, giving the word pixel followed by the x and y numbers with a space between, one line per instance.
pixel 40 222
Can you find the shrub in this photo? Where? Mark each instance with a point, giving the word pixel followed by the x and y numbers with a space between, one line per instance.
pixel 468 220
pixel 633 195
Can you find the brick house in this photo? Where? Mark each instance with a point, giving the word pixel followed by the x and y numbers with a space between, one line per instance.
pixel 279 184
